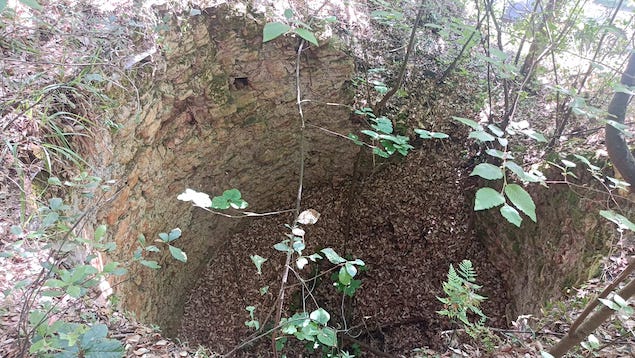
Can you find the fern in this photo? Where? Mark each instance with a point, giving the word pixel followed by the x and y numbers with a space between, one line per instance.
pixel 462 298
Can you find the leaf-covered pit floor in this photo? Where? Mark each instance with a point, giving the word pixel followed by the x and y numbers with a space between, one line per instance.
pixel 408 221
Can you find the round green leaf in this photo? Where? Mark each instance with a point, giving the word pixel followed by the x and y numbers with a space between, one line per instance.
pixel 328 337
pixel 521 199
pixel 220 202
pixel 488 171
pixel 320 316
pixel 273 30
pixel 487 198
pixel 511 215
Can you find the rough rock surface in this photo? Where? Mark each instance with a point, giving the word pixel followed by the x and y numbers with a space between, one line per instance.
pixel 219 113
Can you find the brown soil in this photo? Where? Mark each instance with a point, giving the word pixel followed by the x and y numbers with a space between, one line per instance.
pixel 407 221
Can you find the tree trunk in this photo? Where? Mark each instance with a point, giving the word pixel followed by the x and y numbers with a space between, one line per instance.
pixel 619 152
pixel 590 324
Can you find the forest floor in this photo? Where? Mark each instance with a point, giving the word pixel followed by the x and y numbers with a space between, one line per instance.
pixel 388 215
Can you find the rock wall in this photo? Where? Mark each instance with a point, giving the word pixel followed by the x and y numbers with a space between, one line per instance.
pixel 564 248
pixel 220 112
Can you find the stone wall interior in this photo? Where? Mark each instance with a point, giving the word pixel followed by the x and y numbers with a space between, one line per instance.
pixel 220 114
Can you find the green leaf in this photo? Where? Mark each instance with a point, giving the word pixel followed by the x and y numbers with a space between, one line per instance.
pixel 488 171
pixel 151 264
pixel 499 154
pixel 350 269
pixel 469 122
pixel 232 194
pixel 282 246
pixel 383 125
pixel 521 199
pixel 174 234
pixel 620 301
pixel 511 215
pixel 610 304
pixel 481 136
pixel 497 131
pixel 332 256
pixel 258 261
pixel 328 337
pixel 621 221
pixel 534 135
pixel 587 162
pixel 487 198
pixel 164 236
pixel 380 153
pixel 100 231
pixel 3 5
pixel 32 4
pixel 307 35
pixel 320 315
pixel 424 134
pixel 516 169
pixel 56 203
pixel 74 291
pixel 273 30
pixel 354 138
pixel 567 163
pixel 343 276
pixel 263 290
pixel 55 283
pixel 371 134
pixel 220 203
pixel 288 13
pixel 50 219
pixel 152 248
pixel 177 253
pixel 298 246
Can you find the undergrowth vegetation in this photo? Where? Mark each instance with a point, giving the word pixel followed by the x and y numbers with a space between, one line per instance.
pixel 50 113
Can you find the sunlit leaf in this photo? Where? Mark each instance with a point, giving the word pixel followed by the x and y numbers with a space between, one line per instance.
pixel 320 315
pixel 534 135
pixel 511 215
pixel 383 125
pixel 344 277
pixel 32 4
pixel 474 125
pixel 488 171
pixel 424 134
pixel 328 337
pixel 307 35
pixel 621 221
pixel 198 199
pixel 100 231
pixel 521 199
pixel 151 264
pixel 282 246
pixel 487 198
pixel 481 136
pixel 258 261
pixel 177 253
pixel 332 256
pixel 301 262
